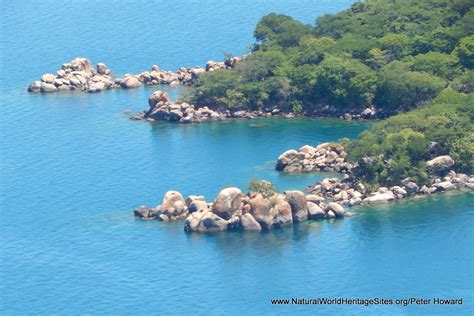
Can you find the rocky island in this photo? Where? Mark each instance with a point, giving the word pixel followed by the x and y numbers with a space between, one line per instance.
pixel 80 75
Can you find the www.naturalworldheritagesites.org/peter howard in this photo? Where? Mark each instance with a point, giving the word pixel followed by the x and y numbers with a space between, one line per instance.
pixel 368 302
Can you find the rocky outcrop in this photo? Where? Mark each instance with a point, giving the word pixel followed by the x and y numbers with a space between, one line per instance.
pixel 232 210
pixel 440 165
pixel 324 157
pixel 78 74
pixel 162 109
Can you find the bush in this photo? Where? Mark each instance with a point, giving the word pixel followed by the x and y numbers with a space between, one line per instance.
pixel 264 187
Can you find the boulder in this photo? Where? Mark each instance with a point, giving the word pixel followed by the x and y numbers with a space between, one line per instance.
pixel 96 87
pixel 35 87
pixel 48 78
pixel 192 198
pixel 249 223
pixel 175 115
pixel 197 205
pixel 411 187
pixel 173 205
pixel 440 165
pixel 262 211
pixel 48 87
pixel 287 158
pixel 102 69
pixel 210 222
pixel 379 198
pixel 192 222
pixel 130 82
pixel 316 199
pixel 444 186
pixel 337 209
pixel 144 212
pixel 227 202
pixel 158 96
pixel 299 207
pixel 314 211
pixel 282 210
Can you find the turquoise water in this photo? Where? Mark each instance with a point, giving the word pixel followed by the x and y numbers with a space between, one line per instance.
pixel 73 168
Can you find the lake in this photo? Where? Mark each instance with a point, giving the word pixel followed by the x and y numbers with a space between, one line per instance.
pixel 73 167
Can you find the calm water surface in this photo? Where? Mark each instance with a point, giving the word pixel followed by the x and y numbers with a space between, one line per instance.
pixel 73 167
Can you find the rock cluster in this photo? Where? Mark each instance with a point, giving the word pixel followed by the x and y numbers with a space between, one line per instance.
pixel 350 192
pixel 162 109
pixel 78 74
pixel 233 210
pixel 324 157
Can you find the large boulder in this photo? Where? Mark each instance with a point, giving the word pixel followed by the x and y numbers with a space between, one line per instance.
pixel 102 69
pixel 227 202
pixel 197 205
pixel 96 87
pixel 249 223
pixel 314 211
pixel 79 64
pixel 130 82
pixel 440 165
pixel 299 207
pixel 35 87
pixel 210 222
pixel 286 159
pixel 379 198
pixel 445 186
pixel 204 221
pixel 173 205
pixel 48 78
pixel 48 87
pixel 262 211
pixel 158 96
pixel 336 208
pixel 282 210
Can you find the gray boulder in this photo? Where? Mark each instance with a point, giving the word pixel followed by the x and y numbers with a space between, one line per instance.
pixel 440 165
pixel 227 202
pixel 249 223
pixel 314 211
pixel 173 205
pixel 336 208
pixel 299 207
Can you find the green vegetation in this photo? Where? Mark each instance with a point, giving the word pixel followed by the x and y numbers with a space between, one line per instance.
pixel 264 187
pixel 393 55
pixel 399 146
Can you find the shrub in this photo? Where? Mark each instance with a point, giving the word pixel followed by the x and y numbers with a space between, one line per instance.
pixel 264 187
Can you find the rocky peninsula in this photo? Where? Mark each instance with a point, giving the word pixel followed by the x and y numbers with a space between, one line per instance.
pixel 349 191
pixel 80 75
pixel 161 108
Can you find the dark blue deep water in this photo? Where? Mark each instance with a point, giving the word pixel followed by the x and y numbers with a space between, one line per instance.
pixel 73 168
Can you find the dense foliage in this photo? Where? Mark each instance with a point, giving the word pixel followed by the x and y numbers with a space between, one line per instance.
pixel 390 54
pixel 398 147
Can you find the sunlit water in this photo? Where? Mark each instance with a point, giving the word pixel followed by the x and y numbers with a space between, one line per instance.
pixel 73 168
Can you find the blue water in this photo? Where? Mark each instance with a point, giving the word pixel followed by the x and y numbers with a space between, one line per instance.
pixel 73 168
